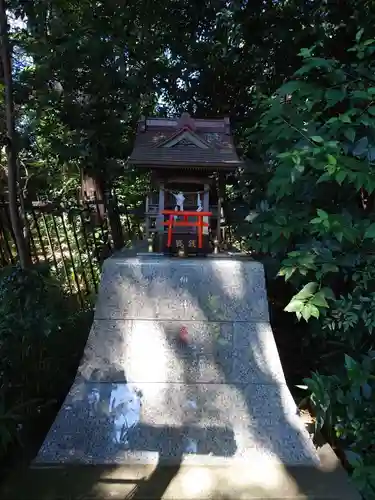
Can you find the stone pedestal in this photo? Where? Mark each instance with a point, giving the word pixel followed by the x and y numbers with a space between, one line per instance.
pixel 181 364
pixel 181 378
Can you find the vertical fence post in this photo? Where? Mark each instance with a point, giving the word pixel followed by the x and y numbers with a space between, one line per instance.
pixel 130 235
pixel 39 234
pixel 31 238
pixel 88 251
pixel 62 254
pixel 4 261
pixel 79 256
pixel 97 249
pixel 115 223
pixel 10 230
pixel 61 243
pixel 71 258
pixel 5 239
pixel 50 244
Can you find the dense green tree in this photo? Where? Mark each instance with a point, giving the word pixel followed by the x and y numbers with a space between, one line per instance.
pixel 317 138
pixel 84 72
pixel 11 146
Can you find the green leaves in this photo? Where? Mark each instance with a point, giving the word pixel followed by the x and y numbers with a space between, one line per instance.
pixel 322 219
pixel 354 459
pixel 370 232
pixel 361 147
pixel 350 134
pixel 319 299
pixel 304 52
pixel 301 262
pixel 289 88
pixel 320 388
pixel 333 96
pixel 331 160
pixel 308 302
pixel 315 63
pixel 307 291
pixel 317 139
pixel 345 118
pixel 359 34
pixel 321 166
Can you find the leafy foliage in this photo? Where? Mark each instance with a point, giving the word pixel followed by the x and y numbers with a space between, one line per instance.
pixel 36 361
pixel 317 136
pixel 84 72
pixel 345 405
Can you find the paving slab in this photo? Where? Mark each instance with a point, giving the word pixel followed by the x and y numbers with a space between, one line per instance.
pixel 182 289
pixel 152 351
pixel 201 421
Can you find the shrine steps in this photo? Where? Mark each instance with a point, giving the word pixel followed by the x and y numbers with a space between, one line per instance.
pixel 181 394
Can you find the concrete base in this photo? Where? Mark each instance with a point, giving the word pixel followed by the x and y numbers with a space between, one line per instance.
pixel 181 393
pixel 240 481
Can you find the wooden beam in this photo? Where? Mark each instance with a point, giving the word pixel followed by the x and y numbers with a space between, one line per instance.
pixel 147 218
pixel 219 206
pixel 218 228
pixel 188 180
pixel 206 205
pixel 160 219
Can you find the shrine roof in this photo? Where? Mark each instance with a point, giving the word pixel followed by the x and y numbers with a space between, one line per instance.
pixel 184 142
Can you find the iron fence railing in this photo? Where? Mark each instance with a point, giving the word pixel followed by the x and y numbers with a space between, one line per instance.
pixel 73 240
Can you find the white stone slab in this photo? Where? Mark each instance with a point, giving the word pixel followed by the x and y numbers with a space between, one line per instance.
pixel 190 289
pixel 152 351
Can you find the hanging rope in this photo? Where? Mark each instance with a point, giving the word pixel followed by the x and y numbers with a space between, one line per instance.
pixel 171 191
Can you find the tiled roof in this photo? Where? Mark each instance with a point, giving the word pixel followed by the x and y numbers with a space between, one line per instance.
pixel 184 141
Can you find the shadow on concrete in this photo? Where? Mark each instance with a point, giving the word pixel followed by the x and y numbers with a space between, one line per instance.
pixel 156 484
pixel 93 434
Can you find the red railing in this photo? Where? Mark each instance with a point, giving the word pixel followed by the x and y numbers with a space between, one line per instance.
pixel 199 223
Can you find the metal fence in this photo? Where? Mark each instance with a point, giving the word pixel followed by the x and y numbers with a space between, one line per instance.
pixel 73 240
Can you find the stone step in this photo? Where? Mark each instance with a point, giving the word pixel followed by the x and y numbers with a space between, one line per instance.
pixel 185 289
pixel 152 351
pixel 122 423
pixel 241 480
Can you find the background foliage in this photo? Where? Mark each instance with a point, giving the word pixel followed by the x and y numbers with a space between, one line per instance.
pixel 316 134
pixel 297 79
pixel 37 363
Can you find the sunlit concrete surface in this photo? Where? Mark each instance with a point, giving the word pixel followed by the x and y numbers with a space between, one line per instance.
pixel 181 376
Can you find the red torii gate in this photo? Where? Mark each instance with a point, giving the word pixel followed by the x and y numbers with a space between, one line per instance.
pixel 199 223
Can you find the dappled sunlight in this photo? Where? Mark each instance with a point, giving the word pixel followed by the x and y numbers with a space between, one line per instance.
pixel 264 353
pixel 222 269
pixel 197 483
pixel 147 356
pixel 259 472
pixel 205 378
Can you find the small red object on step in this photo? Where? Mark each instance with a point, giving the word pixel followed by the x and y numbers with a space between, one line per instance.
pixel 183 334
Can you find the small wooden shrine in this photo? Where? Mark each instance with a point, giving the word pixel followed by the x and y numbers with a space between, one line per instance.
pixel 189 160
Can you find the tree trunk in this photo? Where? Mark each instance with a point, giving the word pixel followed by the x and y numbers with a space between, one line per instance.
pixel 23 253
pixel 111 208
pixel 115 223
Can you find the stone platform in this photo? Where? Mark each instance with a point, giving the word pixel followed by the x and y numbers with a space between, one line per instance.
pixel 181 373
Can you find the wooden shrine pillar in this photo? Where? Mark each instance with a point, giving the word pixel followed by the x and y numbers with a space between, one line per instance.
pixel 218 227
pixel 206 206
pixel 147 218
pixel 160 217
pixel 220 184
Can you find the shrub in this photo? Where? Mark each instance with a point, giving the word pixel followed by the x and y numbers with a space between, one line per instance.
pixel 42 334
pixel 316 137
